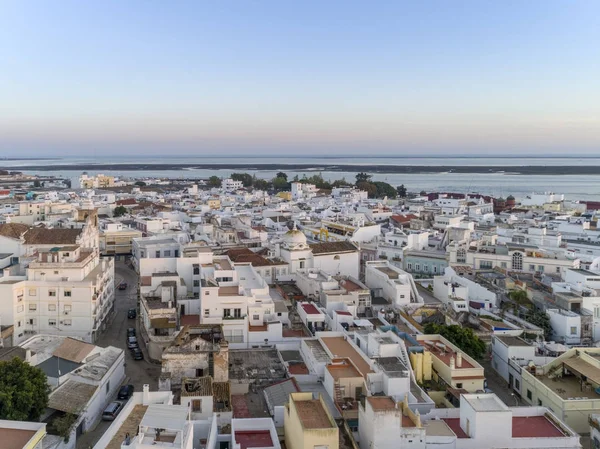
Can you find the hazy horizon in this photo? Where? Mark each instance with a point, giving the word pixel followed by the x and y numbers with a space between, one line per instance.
pixel 82 79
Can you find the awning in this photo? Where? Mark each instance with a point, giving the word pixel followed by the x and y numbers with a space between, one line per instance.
pixel 583 368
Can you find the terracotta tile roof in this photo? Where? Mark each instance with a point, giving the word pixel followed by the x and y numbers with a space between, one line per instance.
pixel 13 230
pixel 244 255
pixel 333 247
pixel 403 218
pixel 126 202
pixel 43 236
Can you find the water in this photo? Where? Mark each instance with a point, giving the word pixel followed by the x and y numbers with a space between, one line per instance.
pixel 582 187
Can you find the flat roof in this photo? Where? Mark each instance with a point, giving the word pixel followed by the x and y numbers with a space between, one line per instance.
pixel 379 403
pixel 312 414
pixel 343 370
pixel 170 417
pixel 534 427
pixel 253 438
pixel 310 309
pixel 340 348
pixel 15 438
pixel 130 426
pixel 512 341
pixel 485 402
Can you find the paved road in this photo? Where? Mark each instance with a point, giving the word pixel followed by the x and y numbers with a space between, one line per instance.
pixel 137 373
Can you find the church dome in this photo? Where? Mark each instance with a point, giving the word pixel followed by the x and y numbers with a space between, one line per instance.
pixel 295 238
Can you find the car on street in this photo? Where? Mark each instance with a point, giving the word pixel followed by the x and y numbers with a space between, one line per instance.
pixel 111 411
pixel 123 286
pixel 125 392
pixel 131 331
pixel 131 314
pixel 137 354
pixel 132 342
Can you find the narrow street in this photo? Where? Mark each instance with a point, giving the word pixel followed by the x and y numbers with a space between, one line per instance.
pixel 137 373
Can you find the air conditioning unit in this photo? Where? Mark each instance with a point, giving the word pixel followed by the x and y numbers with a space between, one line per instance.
pixel 66 312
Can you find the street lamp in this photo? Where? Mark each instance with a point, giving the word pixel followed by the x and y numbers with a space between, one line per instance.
pixel 516 399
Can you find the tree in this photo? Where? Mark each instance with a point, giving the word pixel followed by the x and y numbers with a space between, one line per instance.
pixel 281 175
pixel 140 184
pixel 23 391
pixel 214 181
pixel 280 183
pixel 367 187
pixel 119 211
pixel 401 191
pixel 541 320
pixel 261 184
pixel 462 337
pixel 520 297
pixel 244 177
pixel 362 177
pixel 385 189
pixel 37 183
pixel 63 425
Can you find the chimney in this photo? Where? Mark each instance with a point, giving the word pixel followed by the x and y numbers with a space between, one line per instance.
pixel 459 359
pixel 452 362
pixel 146 395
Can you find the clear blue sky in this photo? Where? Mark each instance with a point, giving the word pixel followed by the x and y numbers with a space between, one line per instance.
pixel 318 77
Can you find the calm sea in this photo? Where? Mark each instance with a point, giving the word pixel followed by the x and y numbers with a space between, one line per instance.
pixel 584 187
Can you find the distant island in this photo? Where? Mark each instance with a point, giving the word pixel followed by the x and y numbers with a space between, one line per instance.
pixel 369 168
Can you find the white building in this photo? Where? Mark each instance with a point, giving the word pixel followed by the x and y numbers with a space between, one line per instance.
pixel 458 291
pixel 391 283
pixel 229 185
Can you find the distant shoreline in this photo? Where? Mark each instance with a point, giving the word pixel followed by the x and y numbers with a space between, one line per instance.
pixel 312 168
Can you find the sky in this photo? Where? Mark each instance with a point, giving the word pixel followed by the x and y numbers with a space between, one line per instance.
pixel 299 78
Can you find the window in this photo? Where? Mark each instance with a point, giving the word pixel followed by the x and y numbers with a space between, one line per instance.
pixel 20 308
pixel 237 313
pixel 176 253
pixel 485 264
pixel 531 267
pixel 52 292
pixel 426 268
pixel 401 296
pixel 67 322
pixel 67 308
pixel 56 272
pixel 503 265
pixel 302 264
pixel 558 269
pixel 67 293
pixel 409 266
pixel 459 385
pixel 196 283
pixel 539 402
pixel 226 313
pixel 461 255
pixel 435 268
pixel 51 307
pixel 517 385
pixel 107 387
pixel 256 317
pixel 529 395
pixel 517 261
pixel 541 268
pixel 196 270
pixel 157 254
pixel 32 292
pixel 197 405
pixel 167 253
pixel 51 322
pixel 573 330
pixel 31 321
pixel 206 312
pixel 207 292
pixel 336 257
pixel 33 307
pixel 66 254
pixel 417 267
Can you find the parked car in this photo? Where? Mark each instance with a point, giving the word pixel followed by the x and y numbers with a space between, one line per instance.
pixel 132 342
pixel 131 331
pixel 137 354
pixel 125 392
pixel 131 314
pixel 123 286
pixel 111 411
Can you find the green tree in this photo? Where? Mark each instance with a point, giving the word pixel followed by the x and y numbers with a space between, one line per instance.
pixel 140 184
pixel 541 320
pixel 63 425
pixel 244 177
pixel 401 191
pixel 385 189
pixel 214 181
pixel 23 391
pixel 281 175
pixel 280 183
pixel 462 337
pixel 261 184
pixel 119 211
pixel 520 297
pixel 368 187
pixel 362 177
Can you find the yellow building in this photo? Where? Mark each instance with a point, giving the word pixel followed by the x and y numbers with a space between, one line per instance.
pixel 308 424
pixel 214 203
pixel 285 195
pixel 118 242
pixel 451 366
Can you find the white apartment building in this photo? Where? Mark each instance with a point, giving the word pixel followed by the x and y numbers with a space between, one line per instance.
pixel 303 190
pixel 391 283
pixel 229 185
pixel 457 291
pixel 67 291
pixel 538 236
